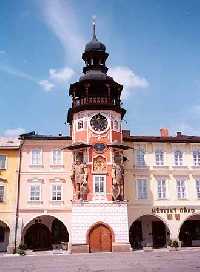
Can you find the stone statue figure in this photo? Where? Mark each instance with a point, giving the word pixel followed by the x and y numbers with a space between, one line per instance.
pixel 79 179
pixel 117 181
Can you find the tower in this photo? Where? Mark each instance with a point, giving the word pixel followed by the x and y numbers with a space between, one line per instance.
pixel 98 177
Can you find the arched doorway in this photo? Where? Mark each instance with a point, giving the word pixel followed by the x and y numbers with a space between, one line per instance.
pixel 38 237
pixel 4 236
pixel 148 230
pixel 45 233
pixel 189 234
pixel 100 238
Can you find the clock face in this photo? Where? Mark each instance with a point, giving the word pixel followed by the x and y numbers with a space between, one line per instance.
pixel 99 122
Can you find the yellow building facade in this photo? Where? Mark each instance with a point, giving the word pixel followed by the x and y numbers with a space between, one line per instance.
pixel 162 186
pixel 9 169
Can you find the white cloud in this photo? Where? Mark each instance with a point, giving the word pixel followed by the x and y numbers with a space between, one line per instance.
pixel 60 18
pixel 13 132
pixel 46 85
pixel 15 72
pixel 61 75
pixel 125 76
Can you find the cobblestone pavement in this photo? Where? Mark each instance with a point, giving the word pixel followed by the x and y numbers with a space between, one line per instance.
pixel 184 261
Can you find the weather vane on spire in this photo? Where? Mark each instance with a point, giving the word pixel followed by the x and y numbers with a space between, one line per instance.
pixel 94 26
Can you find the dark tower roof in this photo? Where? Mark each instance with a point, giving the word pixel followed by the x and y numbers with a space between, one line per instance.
pixel 95 44
pixel 95 89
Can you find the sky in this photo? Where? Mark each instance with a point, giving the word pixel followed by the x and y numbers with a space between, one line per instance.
pixel 154 51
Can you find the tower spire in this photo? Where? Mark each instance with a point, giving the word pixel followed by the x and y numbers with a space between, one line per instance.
pixel 94 27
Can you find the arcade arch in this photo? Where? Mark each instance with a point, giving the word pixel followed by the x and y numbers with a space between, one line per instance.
pixel 149 230
pixel 44 233
pixel 189 233
pixel 4 236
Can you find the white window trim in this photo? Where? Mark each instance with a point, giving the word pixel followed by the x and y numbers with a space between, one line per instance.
pixel 55 164
pixel 166 188
pixel 5 189
pixel 186 189
pixel 41 158
pixel 159 150
pixel 104 186
pixel 56 183
pixel 6 162
pixel 77 122
pixel 35 183
pixel 174 161
pixel 137 192
pixel 197 179
pixel 137 148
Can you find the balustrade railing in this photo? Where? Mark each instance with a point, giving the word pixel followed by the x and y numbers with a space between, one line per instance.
pixel 95 100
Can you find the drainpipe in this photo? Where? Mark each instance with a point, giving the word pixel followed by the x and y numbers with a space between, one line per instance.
pixel 18 195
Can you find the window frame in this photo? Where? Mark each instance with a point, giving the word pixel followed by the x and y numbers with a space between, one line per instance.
pixel 3 198
pixel 40 191
pixel 104 185
pixel 41 157
pixel 81 120
pixel 197 181
pixel 6 162
pixel 159 162
pixel 197 151
pixel 182 180
pixel 61 156
pixel 61 191
pixel 139 194
pixel 178 161
pixel 163 194
pixel 140 163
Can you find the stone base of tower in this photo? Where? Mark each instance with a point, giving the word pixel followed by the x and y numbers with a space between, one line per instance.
pixel 89 219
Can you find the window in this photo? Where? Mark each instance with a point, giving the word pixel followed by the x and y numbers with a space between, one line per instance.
pixel 2 161
pixel 80 124
pixel 36 157
pixel 142 189
pixel 196 158
pixel 35 192
pixel 99 184
pixel 140 157
pixel 1 193
pixel 198 188
pixel 178 158
pixel 159 155
pixel 56 192
pixel 161 188
pixel 116 125
pixel 181 189
pixel 57 157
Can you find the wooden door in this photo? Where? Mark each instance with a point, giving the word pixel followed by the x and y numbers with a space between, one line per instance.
pixel 100 239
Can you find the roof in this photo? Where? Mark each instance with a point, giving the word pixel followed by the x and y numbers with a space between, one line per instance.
pixel 33 136
pixel 158 139
pixel 9 143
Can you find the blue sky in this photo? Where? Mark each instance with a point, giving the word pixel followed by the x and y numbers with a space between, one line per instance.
pixel 154 48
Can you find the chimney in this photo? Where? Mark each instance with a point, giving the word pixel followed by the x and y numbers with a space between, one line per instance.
pixel 164 132
pixel 178 134
pixel 126 133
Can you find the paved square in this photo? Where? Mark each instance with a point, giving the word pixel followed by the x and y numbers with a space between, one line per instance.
pixel 183 261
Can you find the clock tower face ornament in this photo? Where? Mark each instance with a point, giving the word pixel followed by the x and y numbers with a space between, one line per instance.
pixel 99 123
